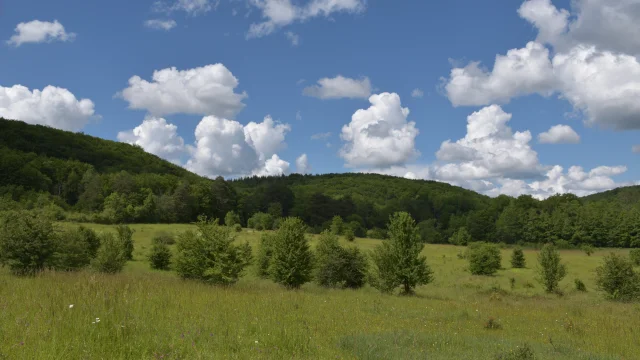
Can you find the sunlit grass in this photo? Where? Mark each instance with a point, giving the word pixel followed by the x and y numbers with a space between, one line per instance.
pixel 147 314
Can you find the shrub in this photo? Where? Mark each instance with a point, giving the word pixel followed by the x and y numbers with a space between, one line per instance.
pixel 163 238
pixel 291 260
pixel 397 261
pixel 210 255
pixel 634 255
pixel 550 270
pixel 617 279
pixel 337 225
pixel 111 256
pixel 27 242
pixel 260 221
pixel 484 258
pixel 237 228
pixel 125 235
pixel 461 237
pixel 580 286
pixel 357 228
pixel 517 259
pixel 160 256
pixel 232 218
pixel 349 235
pixel 337 266
pixel 376 233
pixel 91 239
pixel 265 251
pixel 523 352
pixel 72 250
pixel 492 324
pixel 588 249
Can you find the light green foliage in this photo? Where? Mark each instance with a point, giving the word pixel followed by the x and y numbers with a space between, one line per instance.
pixel 517 259
pixel 163 237
pixel 210 255
pixel 160 256
pixel 232 218
pixel 72 249
pixel 377 233
pixel 337 266
pixel 125 236
pixel 27 242
pixel 484 258
pixel 588 249
pixel 261 221
pixel 580 286
pixel 292 260
pixel 337 225
pixel 348 234
pixel 617 279
pixel 461 237
pixel 111 256
pixel 550 269
pixel 265 251
pixel 634 255
pixel 397 262
pixel 237 228
pixel 91 239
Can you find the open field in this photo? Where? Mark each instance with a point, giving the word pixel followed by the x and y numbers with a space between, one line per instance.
pixel 146 314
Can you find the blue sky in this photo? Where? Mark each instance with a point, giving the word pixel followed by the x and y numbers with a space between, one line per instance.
pixel 90 50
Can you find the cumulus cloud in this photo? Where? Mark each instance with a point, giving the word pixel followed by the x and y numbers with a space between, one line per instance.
pixel 159 24
pixel 37 31
pixel 340 87
pixel 379 136
pixel 559 134
pixel 302 164
pixel 417 93
pixel 274 166
pixel 267 137
pixel 280 13
pixel 51 106
pixel 158 137
pixel 207 90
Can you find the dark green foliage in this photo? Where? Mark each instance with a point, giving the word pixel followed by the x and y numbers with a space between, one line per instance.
pixel 337 225
pixel 265 251
pixel 164 238
pixel 91 239
pixel 111 256
pixel 125 236
pixel 522 352
pixel 291 261
pixel 588 249
pixel 160 256
pixel 237 228
pixel 492 324
pixel 517 258
pixel 337 266
pixel 261 221
pixel 73 250
pixel 27 242
pixel 550 269
pixel 461 237
pixel 617 279
pixel 210 254
pixel 634 255
pixel 232 218
pixel 580 286
pixel 376 233
pixel 397 262
pixel 484 258
pixel 348 234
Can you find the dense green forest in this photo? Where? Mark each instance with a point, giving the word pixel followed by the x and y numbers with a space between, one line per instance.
pixel 75 177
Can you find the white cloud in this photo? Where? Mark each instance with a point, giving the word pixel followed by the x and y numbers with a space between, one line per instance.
pixel 267 137
pixel 37 31
pixel 293 38
pixel 321 136
pixel 157 137
pixel 207 90
pixel 53 106
pixel 159 24
pixel 191 7
pixel 340 87
pixel 551 22
pixel 302 164
pixel 274 166
pixel 559 134
pixel 417 93
pixel 280 13
pixel 520 72
pixel 379 136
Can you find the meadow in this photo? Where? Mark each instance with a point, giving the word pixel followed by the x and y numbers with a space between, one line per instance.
pixel 147 314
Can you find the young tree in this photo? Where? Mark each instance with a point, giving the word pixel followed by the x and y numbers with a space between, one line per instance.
pixel 292 260
pixel 265 251
pixel 397 261
pixel 348 234
pixel 125 236
pixel 550 270
pixel 231 218
pixel 160 256
pixel 27 243
pixel 111 256
pixel 617 279
pixel 461 237
pixel 484 258
pixel 72 251
pixel 337 225
pixel 517 259
pixel 337 266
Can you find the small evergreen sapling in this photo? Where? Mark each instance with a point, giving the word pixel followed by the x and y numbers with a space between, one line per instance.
pixel 517 259
pixel 292 260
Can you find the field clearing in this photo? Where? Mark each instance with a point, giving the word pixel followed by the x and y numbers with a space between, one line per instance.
pixel 147 314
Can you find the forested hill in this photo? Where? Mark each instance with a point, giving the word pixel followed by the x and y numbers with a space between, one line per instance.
pixel 625 196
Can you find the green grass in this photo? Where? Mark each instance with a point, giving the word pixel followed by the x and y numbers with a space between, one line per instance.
pixel 147 314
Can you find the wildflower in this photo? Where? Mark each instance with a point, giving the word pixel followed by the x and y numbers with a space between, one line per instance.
pixel 256 342
pixel 71 306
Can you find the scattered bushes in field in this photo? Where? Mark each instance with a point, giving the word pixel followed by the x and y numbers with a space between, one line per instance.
pixel 550 270
pixel 232 218
pixel 588 249
pixel 517 259
pixel 580 286
pixel 210 255
pixel 291 260
pixel 125 236
pixel 397 262
pixel 617 279
pixel 337 266
pixel 265 251
pixel 163 238
pixel 160 256
pixel 634 255
pixel 261 221
pixel 27 242
pixel 522 352
pixel 484 258
pixel 111 256
pixel 461 237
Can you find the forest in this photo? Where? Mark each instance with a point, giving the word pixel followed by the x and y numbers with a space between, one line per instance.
pixel 76 177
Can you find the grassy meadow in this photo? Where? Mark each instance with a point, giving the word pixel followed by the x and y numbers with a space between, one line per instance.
pixel 147 314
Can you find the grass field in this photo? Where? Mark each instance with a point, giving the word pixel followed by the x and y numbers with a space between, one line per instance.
pixel 146 314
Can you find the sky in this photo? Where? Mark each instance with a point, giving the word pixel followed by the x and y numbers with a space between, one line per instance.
pixel 502 97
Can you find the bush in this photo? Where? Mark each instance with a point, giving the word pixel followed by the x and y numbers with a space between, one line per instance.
pixel 588 249
pixel 265 251
pixel 111 256
pixel 232 218
pixel 376 233
pixel 125 236
pixel 73 249
pixel 580 286
pixel 237 228
pixel 260 221
pixel 27 242
pixel 634 255
pixel 337 225
pixel 550 270
pixel 337 266
pixel 291 261
pixel 617 279
pixel 210 255
pixel 349 235
pixel 397 261
pixel 484 258
pixel 461 237
pixel 160 256
pixel 517 259
pixel 163 238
